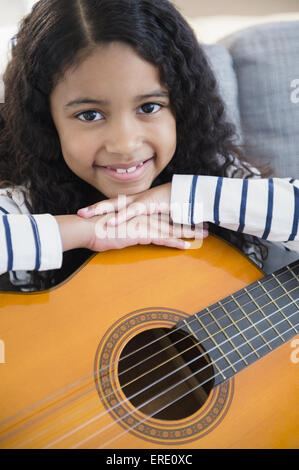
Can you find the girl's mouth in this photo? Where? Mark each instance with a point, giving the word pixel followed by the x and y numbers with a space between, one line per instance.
pixel 129 174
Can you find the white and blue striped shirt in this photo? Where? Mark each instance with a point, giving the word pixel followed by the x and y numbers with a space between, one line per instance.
pixel 265 208
pixel 28 242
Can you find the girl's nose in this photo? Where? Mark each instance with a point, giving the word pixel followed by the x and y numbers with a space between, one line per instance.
pixel 123 136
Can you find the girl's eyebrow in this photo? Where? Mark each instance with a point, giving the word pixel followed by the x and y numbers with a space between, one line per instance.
pixel 87 100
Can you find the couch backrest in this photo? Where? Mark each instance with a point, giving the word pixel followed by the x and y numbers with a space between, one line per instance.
pixel 265 59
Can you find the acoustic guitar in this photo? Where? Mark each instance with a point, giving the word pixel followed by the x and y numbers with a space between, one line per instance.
pixel 152 347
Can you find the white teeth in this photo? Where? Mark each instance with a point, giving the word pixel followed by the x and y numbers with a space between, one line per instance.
pixel 130 170
pixel 122 170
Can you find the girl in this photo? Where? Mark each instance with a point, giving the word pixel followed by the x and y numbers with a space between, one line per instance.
pixel 115 97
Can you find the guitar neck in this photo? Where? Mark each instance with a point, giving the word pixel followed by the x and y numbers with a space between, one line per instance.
pixel 245 326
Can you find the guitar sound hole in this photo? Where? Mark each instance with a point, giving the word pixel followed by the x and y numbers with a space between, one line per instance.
pixel 170 361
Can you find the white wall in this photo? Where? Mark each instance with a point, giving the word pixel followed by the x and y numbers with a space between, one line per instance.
pixel 12 10
pixel 235 7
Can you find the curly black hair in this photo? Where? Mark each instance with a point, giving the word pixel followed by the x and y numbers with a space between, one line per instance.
pixel 59 34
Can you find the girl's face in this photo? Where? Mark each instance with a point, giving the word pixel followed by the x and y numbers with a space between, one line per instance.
pixel 112 115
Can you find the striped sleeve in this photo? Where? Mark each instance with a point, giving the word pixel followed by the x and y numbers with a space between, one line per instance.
pixel 265 208
pixel 29 242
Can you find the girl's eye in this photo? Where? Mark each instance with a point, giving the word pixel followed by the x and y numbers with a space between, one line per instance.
pixel 89 116
pixel 148 108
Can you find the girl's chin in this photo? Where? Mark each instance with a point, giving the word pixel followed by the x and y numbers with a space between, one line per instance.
pixel 114 189
pixel 112 193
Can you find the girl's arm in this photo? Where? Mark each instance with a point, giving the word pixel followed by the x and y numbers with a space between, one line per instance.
pixel 36 242
pixel 73 233
pixel 29 242
pixel 265 208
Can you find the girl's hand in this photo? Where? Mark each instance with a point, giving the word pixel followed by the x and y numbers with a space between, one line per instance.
pixel 152 201
pixel 139 230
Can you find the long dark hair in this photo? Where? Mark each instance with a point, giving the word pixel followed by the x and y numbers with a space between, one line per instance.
pixel 58 34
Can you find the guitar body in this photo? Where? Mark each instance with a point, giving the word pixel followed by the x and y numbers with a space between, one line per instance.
pixel 52 394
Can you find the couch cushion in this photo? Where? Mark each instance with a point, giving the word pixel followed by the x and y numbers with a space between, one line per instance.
pixel 6 34
pixel 222 66
pixel 265 59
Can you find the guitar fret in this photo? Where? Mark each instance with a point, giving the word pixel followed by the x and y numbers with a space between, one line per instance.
pixel 225 334
pixel 292 272
pixel 286 292
pixel 209 337
pixel 236 325
pixel 262 312
pixel 254 326
pixel 247 341
pixel 238 330
pixel 277 306
pixel 297 279
pixel 291 269
pixel 190 329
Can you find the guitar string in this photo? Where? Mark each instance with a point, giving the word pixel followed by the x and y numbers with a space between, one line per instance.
pixel 169 360
pixel 158 396
pixel 262 282
pixel 158 339
pixel 209 337
pixel 80 381
pixel 162 393
pixel 159 365
pixel 221 330
pixel 171 403
pixel 161 409
pixel 156 382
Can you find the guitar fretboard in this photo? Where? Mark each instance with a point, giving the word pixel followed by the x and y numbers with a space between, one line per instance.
pixel 247 325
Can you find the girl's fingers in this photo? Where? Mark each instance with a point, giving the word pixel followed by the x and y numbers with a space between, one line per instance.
pixel 95 209
pixel 103 207
pixel 128 213
pixel 133 209
pixel 172 243
pixel 162 222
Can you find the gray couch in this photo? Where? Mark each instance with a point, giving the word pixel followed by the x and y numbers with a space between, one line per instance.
pixel 258 75
pixel 257 70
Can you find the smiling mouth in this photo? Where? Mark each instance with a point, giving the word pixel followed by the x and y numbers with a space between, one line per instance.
pixel 126 174
pixel 131 169
pixel 128 170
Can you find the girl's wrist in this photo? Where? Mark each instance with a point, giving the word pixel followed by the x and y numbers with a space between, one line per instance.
pixel 75 232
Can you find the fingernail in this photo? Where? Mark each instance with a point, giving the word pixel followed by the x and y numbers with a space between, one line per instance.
pixel 82 212
pixel 187 245
pixel 86 212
